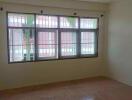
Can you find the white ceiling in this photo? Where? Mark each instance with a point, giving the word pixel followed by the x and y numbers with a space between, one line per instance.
pixel 101 1
pixel 97 1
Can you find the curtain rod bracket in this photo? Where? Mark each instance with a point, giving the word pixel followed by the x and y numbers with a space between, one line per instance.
pixel 102 15
pixel 1 9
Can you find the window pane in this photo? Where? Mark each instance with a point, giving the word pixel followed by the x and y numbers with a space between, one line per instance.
pixel 20 20
pixel 87 43
pixel 68 22
pixel 87 37
pixel 21 44
pixel 87 23
pixel 68 44
pixel 48 45
pixel 46 21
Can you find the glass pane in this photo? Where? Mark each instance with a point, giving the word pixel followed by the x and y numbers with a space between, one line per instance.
pixel 87 42
pixel 20 20
pixel 87 49
pixel 68 22
pixel 87 37
pixel 68 37
pixel 48 45
pixel 68 49
pixel 48 51
pixel 68 44
pixel 87 23
pixel 46 21
pixel 21 44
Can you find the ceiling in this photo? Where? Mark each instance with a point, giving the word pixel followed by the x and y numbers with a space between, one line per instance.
pixel 97 1
pixel 101 1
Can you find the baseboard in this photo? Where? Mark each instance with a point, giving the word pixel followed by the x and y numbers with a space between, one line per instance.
pixel 49 85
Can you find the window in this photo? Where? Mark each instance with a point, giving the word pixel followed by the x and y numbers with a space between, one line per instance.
pixel 44 21
pixel 33 37
pixel 88 31
pixel 89 23
pixel 68 22
pixel 21 37
pixel 87 43
pixel 47 44
pixel 68 44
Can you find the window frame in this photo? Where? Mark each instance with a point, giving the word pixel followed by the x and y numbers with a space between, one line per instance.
pixel 78 30
pixel 71 56
pixel 95 45
pixel 44 30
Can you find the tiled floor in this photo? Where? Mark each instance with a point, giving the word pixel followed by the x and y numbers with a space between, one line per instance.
pixel 87 89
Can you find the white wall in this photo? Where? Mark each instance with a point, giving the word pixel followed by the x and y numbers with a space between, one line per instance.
pixel 24 74
pixel 73 4
pixel 120 41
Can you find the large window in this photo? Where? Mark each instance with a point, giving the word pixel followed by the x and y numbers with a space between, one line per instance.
pixel 34 37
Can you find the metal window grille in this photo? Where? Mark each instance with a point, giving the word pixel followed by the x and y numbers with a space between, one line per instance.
pixel 47 45
pixel 68 44
pixel 34 37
